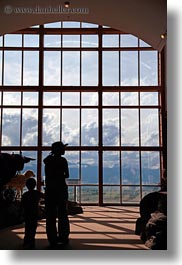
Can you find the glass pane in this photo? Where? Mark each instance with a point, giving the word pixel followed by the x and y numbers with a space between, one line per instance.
pixel 70 98
pixel 129 68
pixel 130 168
pixel 89 127
pixel 110 40
pixel 71 68
pixel 32 165
pixel 51 126
pixel 30 98
pixel 71 24
pixel 149 98
pixel 111 127
pixel 110 68
pixel 131 194
pixel 71 126
pixel 89 98
pixel 149 127
pixel 111 99
pixel 144 44
pixel 128 40
pixel 29 127
pixel 52 41
pixel 13 40
pixel 129 98
pixel 31 68
pixel 88 25
pixel 89 68
pixel 12 68
pixel 150 168
pixel 90 41
pixel 111 167
pixel 89 194
pixel 147 190
pixel 51 99
pixel 31 40
pixel 89 167
pixel 111 194
pixel 53 25
pixel 52 68
pixel 10 125
pixel 149 68
pixel 129 127
pixel 73 163
pixel 71 40
pixel 12 98
pixel 1 41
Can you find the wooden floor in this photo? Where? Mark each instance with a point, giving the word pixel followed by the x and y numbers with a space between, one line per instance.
pixel 98 228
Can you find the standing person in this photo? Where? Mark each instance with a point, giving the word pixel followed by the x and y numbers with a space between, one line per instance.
pixel 56 195
pixel 29 205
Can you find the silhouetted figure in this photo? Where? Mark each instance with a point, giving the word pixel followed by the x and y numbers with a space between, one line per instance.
pixel 30 203
pixel 56 195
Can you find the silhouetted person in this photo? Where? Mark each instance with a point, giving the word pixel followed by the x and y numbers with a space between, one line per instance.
pixel 29 203
pixel 56 195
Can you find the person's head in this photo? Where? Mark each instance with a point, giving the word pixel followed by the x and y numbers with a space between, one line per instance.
pixel 31 183
pixel 58 148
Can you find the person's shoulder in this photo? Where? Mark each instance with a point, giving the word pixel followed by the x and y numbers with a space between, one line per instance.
pixel 47 159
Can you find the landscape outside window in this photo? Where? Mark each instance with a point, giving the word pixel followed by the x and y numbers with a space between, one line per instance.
pixel 92 87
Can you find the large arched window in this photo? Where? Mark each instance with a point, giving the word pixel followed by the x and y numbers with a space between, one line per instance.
pixel 95 88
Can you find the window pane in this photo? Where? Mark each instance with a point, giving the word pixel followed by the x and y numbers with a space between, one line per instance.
pixel 149 127
pixel 31 40
pixel 29 127
pixel 131 194
pixel 129 98
pixel 71 68
pixel 30 98
pixel 130 168
pixel 89 127
pixel 53 25
pixel 71 40
pixel 51 98
pixel 129 68
pixel 89 167
pixel 111 99
pixel 71 126
pixel 129 127
pixel 110 68
pixel 51 126
pixel 111 127
pixel 89 98
pixel 31 68
pixel 110 40
pixel 111 194
pixel 144 44
pixel 52 68
pixel 89 68
pixel 89 25
pixel 12 68
pixel 111 167
pixel 89 194
pixel 73 163
pixel 89 41
pixel 147 190
pixel 128 40
pixel 70 98
pixel 12 98
pixel 148 68
pixel 150 168
pixel 71 24
pixel 10 125
pixel 32 165
pixel 13 40
pixel 149 98
pixel 52 41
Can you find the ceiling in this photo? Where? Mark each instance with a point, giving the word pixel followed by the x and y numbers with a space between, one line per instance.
pixel 146 19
